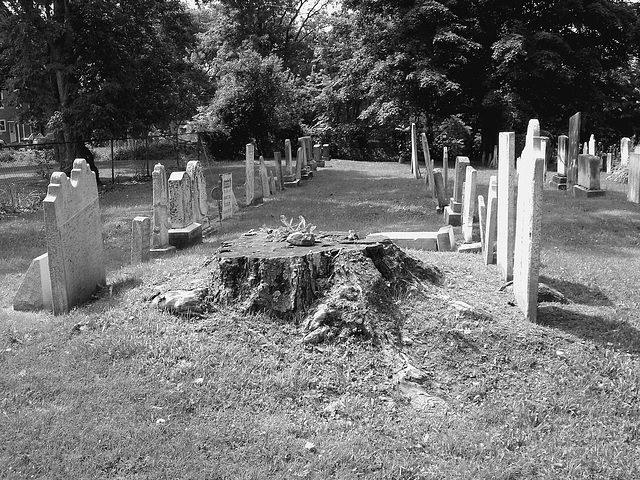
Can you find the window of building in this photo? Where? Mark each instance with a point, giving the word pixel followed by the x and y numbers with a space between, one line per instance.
pixel 3 126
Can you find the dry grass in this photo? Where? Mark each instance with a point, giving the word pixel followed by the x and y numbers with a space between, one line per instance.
pixel 117 390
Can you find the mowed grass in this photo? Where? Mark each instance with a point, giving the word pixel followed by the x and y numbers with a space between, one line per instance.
pixel 116 389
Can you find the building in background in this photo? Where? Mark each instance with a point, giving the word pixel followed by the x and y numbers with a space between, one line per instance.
pixel 11 130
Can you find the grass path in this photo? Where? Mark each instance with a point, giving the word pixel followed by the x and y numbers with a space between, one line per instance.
pixel 117 390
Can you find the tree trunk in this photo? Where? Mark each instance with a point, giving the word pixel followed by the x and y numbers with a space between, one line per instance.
pixel 337 286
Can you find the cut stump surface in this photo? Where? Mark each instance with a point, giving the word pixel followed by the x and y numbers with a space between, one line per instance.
pixel 337 285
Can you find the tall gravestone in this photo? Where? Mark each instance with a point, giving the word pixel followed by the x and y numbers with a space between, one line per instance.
pixel 592 145
pixel 299 161
pixel 161 224
pixel 633 186
pixel 249 184
pixel 264 179
pixel 469 207
pixel 279 172
pixel 506 216
pixel 180 202
pixel 491 229
pixel 287 156
pixel 625 148
pixel 74 237
pixel 559 180
pixel 441 193
pixel 415 168
pixel 227 195
pixel 199 205
pixel 429 164
pixel 526 266
pixel 453 212
pixel 574 149
pixel 445 170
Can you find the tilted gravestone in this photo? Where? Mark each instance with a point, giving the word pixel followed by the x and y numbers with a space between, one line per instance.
pixel 574 149
pixel 453 212
pixel 429 164
pixel 438 185
pixel 73 230
pixel 506 222
pixel 249 185
pixel 491 228
pixel 526 266
pixel 199 205
pixel 415 168
pixel 633 187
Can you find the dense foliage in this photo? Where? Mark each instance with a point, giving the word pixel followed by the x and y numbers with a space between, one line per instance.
pixel 354 73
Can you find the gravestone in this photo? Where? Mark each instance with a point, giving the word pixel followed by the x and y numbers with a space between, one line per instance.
pixel 34 292
pixel 326 154
pixel 317 155
pixel 469 207
pixel 307 147
pixel 299 162
pixel 588 177
pixel 180 202
pixel 446 239
pixel 609 168
pixel 482 218
pixel 429 165
pixel 574 147
pixel 441 194
pixel 526 266
pixel 287 156
pixel 140 240
pixel 633 187
pixel 592 145
pixel 559 180
pixel 199 203
pixel 506 216
pixel 445 170
pixel 533 130
pixel 491 229
pixel 625 148
pixel 161 223
pixel 249 184
pixel 415 168
pixel 453 212
pixel 279 172
pixel 74 237
pixel 273 187
pixel 226 179
pixel 264 179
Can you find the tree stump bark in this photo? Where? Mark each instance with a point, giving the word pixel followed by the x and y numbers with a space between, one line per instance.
pixel 338 286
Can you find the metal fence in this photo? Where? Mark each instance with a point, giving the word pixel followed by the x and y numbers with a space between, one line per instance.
pixel 117 159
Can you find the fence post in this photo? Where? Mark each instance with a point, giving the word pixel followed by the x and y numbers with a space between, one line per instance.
pixel 113 168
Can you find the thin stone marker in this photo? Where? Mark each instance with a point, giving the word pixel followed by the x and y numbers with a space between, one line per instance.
pixel 415 169
pixel 249 184
pixel 506 222
pixel 299 163
pixel 563 154
pixel 445 170
pixel 574 149
pixel 279 174
pixel 429 164
pixel 491 229
pixel 625 145
pixel 469 205
pixel 264 179
pixel 528 235
pixel 161 225
pixel 287 156
pixel 482 218
pixel 140 240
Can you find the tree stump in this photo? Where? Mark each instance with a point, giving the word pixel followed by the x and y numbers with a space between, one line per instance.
pixel 338 286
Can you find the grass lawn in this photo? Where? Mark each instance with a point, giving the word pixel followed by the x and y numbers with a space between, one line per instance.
pixel 116 389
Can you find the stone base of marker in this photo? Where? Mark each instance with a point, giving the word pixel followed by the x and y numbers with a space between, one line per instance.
pixel 558 182
pixel 443 240
pixel 185 237
pixel 470 247
pixel 451 217
pixel 34 292
pixel 292 184
pixel 160 252
pixel 582 192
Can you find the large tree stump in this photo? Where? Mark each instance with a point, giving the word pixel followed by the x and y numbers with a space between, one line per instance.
pixel 338 286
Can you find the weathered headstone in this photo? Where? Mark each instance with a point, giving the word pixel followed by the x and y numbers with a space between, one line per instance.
pixel 574 147
pixel 74 237
pixel 625 148
pixel 633 187
pixel 588 177
pixel 279 172
pixel 307 146
pixel 140 240
pixel 526 267
pixel 506 222
pixel 491 229
pixel 34 292
pixel 199 205
pixel 249 185
pixel 415 168
pixel 317 155
pixel 161 224
pixel 287 156
pixel 264 179
pixel 445 170
pixel 226 179
pixel 453 212
pixel 469 207
pixel 441 194
pixel 299 161
pixel 609 167
pixel 429 164
pixel 180 202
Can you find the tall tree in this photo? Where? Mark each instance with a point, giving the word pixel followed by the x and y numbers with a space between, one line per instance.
pixel 98 65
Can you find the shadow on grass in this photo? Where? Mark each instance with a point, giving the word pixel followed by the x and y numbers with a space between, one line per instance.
pixel 618 335
pixel 578 293
pixel 123 284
